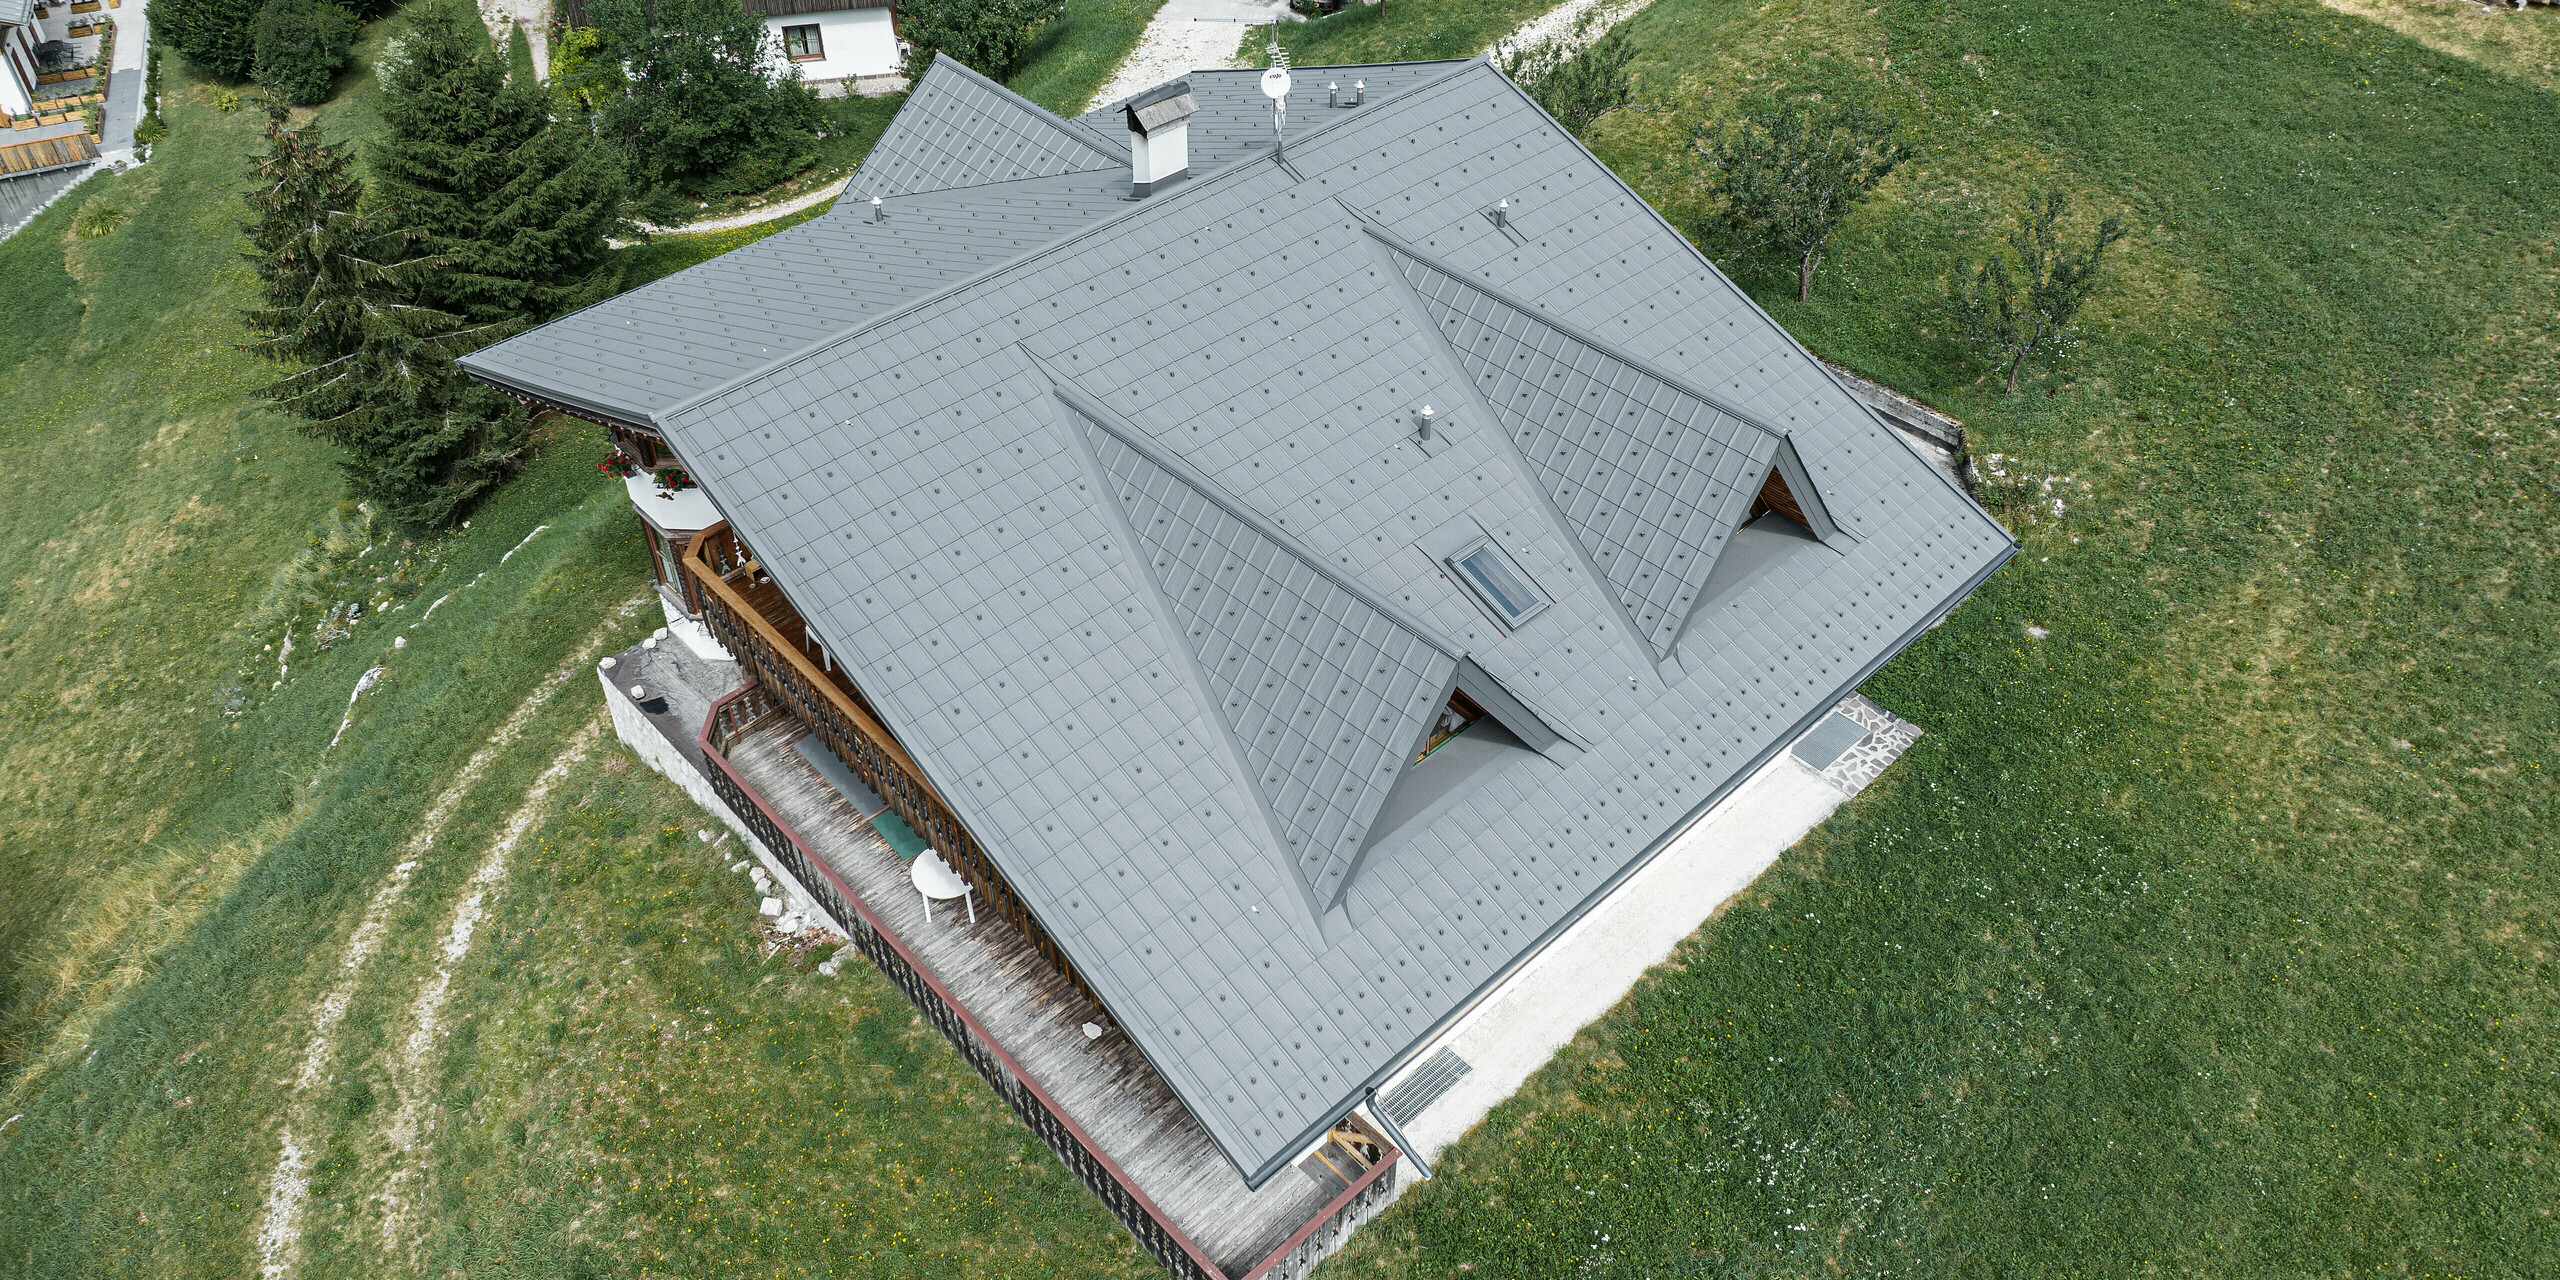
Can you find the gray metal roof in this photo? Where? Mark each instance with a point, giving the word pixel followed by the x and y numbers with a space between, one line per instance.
pixel 1130 542
pixel 17 13
pixel 1234 119
pixel 701 328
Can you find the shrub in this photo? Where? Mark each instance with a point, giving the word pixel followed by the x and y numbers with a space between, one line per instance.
pixel 300 46
pixel 1576 86
pixel 988 35
pixel 97 218
pixel 686 90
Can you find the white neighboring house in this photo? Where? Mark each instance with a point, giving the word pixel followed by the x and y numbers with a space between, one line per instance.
pixel 839 46
pixel 18 41
pixel 836 44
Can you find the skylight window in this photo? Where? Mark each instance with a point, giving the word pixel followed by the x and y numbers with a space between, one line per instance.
pixel 1498 583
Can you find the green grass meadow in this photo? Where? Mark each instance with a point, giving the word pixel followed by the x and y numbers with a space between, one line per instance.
pixel 631 1080
pixel 2210 934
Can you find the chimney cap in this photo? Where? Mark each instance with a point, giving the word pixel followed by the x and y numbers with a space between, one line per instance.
pixel 1163 105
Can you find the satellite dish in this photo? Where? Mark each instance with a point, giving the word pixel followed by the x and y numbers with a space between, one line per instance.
pixel 1275 83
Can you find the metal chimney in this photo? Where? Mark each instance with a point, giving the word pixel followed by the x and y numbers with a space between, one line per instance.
pixel 1159 137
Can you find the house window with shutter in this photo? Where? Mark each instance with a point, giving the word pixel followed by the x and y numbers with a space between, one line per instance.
pixel 801 44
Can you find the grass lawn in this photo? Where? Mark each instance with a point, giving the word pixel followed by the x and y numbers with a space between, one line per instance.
pixel 1075 53
pixel 627 1081
pixel 2212 934
pixel 1397 31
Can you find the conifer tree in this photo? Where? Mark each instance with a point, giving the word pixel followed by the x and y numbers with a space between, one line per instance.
pixel 372 367
pixel 217 35
pixel 469 161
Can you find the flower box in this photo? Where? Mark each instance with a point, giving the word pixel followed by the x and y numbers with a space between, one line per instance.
pixel 86 6
pixel 22 122
pixel 53 119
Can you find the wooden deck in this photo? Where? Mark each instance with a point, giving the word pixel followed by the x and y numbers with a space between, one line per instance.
pixel 1105 1086
pixel 48 153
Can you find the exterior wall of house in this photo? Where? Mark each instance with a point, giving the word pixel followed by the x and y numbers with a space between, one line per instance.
pixel 18 78
pixel 855 42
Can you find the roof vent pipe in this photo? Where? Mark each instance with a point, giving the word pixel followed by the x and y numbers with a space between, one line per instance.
pixel 1359 93
pixel 876 216
pixel 1159 137
pixel 1422 425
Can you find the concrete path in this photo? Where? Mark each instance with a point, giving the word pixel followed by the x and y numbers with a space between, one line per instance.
pixel 1587 970
pixel 124 83
pixel 1187 36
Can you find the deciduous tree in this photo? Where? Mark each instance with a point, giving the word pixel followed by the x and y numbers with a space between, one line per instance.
pixel 2014 315
pixel 989 36
pixel 1788 174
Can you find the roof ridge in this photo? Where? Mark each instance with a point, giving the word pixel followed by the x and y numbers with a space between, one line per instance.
pixel 1083 137
pixel 1575 333
pixel 1181 193
pixel 1109 419
pixel 1310 917
pixel 1453 64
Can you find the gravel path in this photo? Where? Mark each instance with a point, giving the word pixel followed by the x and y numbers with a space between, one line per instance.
pixel 536 17
pixel 1187 36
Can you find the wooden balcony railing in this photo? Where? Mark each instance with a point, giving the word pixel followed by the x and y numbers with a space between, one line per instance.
pixel 748 615
pixel 752 618
pixel 747 709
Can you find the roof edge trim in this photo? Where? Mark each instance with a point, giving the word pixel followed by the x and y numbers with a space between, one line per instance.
pixel 1874 418
pixel 1475 999
pixel 1084 138
pixel 1180 194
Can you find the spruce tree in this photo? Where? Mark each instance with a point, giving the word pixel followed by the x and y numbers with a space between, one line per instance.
pixel 372 366
pixel 469 161
pixel 217 35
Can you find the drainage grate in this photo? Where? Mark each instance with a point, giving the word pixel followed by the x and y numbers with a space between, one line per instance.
pixel 1829 740
pixel 1424 1087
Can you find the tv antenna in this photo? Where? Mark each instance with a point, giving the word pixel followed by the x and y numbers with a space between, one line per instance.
pixel 1275 86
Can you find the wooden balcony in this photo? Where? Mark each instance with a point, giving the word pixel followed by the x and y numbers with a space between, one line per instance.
pixel 999 990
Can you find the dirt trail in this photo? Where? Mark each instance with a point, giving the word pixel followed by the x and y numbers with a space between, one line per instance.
pixel 280 1231
pixel 409 1073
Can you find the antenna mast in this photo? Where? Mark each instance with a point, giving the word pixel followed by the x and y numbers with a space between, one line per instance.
pixel 1275 86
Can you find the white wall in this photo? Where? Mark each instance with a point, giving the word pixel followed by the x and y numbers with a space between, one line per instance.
pixel 17 51
pixel 858 42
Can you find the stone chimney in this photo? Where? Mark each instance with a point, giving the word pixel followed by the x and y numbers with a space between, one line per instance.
pixel 1160 137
